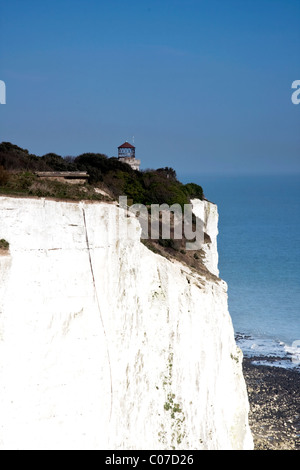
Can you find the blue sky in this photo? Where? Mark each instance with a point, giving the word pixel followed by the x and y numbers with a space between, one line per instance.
pixel 204 86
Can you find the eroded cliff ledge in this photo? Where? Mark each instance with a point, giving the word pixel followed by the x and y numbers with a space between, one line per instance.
pixel 106 345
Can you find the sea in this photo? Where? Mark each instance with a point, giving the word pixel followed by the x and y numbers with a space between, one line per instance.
pixel 259 258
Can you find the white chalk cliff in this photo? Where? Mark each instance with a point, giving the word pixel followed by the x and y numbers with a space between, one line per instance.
pixel 106 345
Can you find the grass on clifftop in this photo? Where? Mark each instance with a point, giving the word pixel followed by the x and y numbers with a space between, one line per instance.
pixel 28 184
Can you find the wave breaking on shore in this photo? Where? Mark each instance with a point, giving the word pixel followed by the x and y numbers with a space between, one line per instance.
pixel 263 351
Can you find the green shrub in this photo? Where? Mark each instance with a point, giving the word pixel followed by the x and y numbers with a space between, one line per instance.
pixel 4 176
pixel 169 243
pixel 194 190
pixel 166 243
pixel 57 163
pixel 4 245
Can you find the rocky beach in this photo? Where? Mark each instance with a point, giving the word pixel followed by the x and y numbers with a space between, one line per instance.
pixel 274 416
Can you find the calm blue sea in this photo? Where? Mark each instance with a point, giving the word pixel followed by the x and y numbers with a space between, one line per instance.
pixel 259 258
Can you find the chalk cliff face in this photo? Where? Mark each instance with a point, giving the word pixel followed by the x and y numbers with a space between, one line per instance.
pixel 106 345
pixel 208 212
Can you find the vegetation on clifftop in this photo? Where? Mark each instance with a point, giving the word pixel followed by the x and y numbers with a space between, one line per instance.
pixel 18 167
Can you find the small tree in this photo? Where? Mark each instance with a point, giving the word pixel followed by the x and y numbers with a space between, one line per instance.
pixel 4 245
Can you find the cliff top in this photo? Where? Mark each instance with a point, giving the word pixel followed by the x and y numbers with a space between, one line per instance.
pixel 19 172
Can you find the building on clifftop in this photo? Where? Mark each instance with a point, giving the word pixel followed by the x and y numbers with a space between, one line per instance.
pixel 126 154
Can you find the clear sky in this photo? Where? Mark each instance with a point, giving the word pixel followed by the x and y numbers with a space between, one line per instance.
pixel 204 86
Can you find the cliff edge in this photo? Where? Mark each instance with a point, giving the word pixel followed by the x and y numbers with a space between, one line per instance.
pixel 107 345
